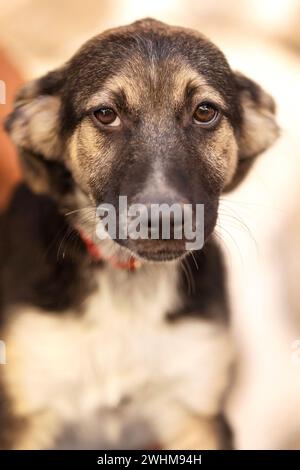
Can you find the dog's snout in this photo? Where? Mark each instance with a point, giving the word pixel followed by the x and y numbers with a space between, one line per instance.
pixel 163 214
pixel 160 216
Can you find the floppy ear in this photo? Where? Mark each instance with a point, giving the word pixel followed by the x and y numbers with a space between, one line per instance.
pixel 34 123
pixel 258 128
pixel 34 126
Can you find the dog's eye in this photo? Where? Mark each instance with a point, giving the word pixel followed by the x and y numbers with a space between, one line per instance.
pixel 206 114
pixel 107 117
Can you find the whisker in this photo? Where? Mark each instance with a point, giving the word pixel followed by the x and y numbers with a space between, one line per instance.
pixel 232 215
pixel 76 211
pixel 253 204
pixel 233 241
pixel 194 259
pixel 187 276
pixel 224 244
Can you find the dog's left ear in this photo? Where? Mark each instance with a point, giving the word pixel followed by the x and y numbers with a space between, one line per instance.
pixel 34 123
pixel 258 130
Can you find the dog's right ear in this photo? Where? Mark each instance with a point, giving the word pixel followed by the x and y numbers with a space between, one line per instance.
pixel 33 125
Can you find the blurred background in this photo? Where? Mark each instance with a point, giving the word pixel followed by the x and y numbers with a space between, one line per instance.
pixel 259 223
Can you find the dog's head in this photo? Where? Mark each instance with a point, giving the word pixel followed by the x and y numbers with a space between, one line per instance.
pixel 148 111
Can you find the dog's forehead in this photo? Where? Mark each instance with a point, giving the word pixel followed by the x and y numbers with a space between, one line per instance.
pixel 142 62
pixel 143 83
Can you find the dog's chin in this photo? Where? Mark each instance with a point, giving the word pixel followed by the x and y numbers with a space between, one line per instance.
pixel 156 250
pixel 160 256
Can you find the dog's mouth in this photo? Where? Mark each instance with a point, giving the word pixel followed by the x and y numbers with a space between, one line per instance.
pixel 156 250
pixel 157 233
pixel 161 248
pixel 162 255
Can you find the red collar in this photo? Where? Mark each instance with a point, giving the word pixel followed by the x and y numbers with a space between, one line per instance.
pixel 95 252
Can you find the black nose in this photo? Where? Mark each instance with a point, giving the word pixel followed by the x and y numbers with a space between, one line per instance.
pixel 163 215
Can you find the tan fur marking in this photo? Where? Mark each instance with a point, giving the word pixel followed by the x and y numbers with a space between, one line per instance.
pixel 35 126
pixel 260 129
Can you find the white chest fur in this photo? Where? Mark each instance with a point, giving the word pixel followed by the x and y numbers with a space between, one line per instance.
pixel 119 367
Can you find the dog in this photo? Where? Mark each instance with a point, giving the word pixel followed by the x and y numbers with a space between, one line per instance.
pixel 123 343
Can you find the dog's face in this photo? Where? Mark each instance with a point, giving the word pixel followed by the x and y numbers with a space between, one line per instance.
pixel 148 111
